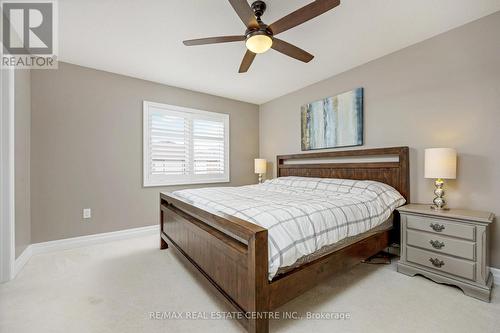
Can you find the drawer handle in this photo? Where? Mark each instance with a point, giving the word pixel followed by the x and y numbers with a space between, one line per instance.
pixel 436 262
pixel 436 244
pixel 437 227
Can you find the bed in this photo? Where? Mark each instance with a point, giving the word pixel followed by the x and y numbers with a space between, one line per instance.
pixel 261 246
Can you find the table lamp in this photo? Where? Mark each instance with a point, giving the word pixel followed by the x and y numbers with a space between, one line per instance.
pixel 260 167
pixel 440 164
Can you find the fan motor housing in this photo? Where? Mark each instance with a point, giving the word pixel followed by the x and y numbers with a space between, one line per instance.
pixel 259 7
pixel 258 32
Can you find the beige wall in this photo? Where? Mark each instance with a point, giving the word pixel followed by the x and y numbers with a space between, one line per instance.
pixel 443 92
pixel 86 149
pixel 22 125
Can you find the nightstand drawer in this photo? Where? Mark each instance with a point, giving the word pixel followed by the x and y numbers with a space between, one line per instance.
pixel 456 247
pixel 443 263
pixel 441 227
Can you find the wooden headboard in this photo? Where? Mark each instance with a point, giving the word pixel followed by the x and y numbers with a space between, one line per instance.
pixel 394 173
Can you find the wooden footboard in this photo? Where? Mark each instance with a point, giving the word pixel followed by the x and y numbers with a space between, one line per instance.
pixel 231 253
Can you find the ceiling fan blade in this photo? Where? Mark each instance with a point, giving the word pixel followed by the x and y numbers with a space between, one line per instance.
pixel 246 14
pixel 214 40
pixel 246 62
pixel 302 15
pixel 291 50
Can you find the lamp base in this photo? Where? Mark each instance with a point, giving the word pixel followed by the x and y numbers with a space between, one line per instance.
pixel 439 202
pixel 436 208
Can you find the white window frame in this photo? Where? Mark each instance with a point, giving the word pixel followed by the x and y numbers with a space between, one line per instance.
pixel 158 180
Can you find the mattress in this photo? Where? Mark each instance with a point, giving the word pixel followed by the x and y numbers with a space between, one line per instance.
pixel 303 215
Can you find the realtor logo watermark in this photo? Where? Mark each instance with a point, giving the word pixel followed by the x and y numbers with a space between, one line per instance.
pixel 29 34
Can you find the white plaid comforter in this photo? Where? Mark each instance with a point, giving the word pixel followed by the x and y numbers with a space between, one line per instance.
pixel 302 214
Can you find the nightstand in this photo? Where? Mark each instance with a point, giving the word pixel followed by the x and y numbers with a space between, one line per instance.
pixel 449 246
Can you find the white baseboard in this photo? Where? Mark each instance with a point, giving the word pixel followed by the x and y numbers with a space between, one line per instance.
pixel 496 275
pixel 75 242
pixel 22 260
pixel 71 243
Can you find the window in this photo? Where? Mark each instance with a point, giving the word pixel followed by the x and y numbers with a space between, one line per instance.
pixel 184 146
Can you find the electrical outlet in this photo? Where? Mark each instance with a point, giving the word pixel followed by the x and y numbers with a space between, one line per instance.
pixel 87 213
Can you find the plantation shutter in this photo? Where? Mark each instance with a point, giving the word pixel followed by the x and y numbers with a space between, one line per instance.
pixel 184 146
pixel 208 147
pixel 169 144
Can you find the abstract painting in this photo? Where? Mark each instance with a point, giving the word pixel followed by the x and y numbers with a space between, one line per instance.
pixel 333 122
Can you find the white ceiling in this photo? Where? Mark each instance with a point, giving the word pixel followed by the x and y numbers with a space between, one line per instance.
pixel 143 39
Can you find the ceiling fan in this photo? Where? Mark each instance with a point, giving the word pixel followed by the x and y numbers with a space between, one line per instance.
pixel 260 37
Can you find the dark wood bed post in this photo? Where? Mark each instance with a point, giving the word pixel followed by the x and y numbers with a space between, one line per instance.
pixel 163 243
pixel 258 321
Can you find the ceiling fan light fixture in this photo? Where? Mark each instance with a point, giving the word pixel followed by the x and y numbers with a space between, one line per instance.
pixel 259 37
pixel 259 43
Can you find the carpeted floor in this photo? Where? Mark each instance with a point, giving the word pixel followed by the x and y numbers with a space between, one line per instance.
pixel 113 287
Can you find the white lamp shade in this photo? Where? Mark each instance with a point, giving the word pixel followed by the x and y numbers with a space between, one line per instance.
pixel 260 165
pixel 441 163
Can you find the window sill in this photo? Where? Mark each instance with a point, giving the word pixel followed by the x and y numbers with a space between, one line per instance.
pixel 184 182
